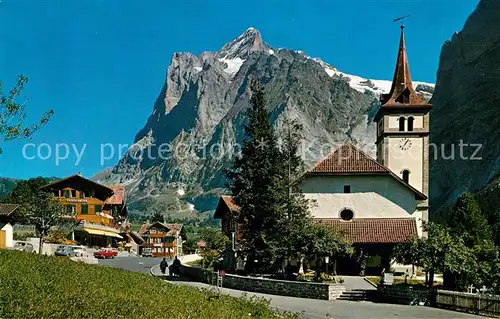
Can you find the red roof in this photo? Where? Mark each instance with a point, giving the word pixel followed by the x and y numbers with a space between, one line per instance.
pixel 225 206
pixel 373 230
pixel 7 209
pixel 348 159
pixel 228 200
pixel 118 196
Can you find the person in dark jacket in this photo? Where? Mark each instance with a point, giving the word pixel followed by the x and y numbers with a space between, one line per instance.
pixel 176 265
pixel 163 266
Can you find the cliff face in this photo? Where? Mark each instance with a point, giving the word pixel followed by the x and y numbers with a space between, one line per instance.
pixel 196 124
pixel 466 107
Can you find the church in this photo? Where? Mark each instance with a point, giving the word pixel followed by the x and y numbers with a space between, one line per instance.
pixel 375 203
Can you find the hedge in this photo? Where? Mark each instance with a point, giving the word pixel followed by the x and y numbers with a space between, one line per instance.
pixel 34 286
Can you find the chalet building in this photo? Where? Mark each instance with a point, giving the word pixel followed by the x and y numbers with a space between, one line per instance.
pixel 98 208
pixel 6 228
pixel 375 203
pixel 164 239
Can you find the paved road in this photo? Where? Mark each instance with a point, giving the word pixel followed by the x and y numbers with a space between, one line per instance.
pixel 136 264
pixel 308 308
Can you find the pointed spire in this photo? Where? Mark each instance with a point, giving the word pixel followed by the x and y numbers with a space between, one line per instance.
pixel 402 91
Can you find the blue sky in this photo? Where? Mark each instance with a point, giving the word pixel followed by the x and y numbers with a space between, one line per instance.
pixel 101 63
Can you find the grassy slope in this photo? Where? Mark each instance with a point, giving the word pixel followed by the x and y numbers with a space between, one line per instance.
pixel 35 286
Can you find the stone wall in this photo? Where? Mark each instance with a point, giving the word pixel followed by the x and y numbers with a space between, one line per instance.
pixel 404 294
pixel 268 286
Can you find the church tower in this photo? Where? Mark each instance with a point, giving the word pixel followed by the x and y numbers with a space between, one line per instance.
pixel 403 130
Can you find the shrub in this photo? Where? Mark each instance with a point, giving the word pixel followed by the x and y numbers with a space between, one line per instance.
pixel 34 286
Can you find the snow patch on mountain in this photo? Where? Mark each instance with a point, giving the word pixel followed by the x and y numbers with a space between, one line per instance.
pixel 232 65
pixel 377 87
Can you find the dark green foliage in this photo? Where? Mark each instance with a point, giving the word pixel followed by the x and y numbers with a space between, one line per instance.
pixel 216 243
pixel 37 207
pixel 440 252
pixel 468 221
pixel 319 241
pixel 13 114
pixel 6 186
pixel 254 181
pixel 157 217
pixel 35 286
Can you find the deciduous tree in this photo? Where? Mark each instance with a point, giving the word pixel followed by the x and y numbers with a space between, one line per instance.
pixel 13 114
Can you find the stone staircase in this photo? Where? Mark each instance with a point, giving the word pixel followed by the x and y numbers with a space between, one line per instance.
pixel 359 295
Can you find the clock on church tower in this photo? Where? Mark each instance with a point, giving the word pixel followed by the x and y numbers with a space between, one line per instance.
pixel 403 128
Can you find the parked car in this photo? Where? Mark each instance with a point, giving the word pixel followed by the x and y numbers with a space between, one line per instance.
pixel 106 253
pixel 65 250
pixel 24 246
pixel 147 252
pixel 79 250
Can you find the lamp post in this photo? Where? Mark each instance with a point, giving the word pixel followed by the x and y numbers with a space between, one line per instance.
pixel 232 240
pixel 327 259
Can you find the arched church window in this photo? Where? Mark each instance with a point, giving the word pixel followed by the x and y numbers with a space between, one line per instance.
pixel 406 176
pixel 347 214
pixel 401 123
pixel 410 123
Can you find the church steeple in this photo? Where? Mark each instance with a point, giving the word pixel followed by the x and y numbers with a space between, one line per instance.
pixel 402 92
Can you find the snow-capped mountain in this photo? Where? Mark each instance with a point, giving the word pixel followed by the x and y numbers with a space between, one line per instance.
pixel 200 109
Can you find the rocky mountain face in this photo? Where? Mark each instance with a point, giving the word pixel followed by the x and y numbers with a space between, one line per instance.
pixel 196 125
pixel 466 107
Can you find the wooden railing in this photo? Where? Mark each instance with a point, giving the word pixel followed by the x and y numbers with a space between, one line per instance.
pixel 477 303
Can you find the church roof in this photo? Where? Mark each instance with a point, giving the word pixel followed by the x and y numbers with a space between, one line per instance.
pixel 402 93
pixel 373 230
pixel 350 160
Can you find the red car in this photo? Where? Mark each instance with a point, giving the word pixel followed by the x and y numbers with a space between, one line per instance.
pixel 105 253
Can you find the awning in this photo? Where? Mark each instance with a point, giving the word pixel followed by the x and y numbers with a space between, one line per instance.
pixel 101 233
pixel 110 234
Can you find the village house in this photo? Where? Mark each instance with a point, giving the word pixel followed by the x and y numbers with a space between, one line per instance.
pixel 165 240
pixel 99 209
pixel 375 204
pixel 6 228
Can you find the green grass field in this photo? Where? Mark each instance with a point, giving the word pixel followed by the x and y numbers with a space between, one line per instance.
pixel 34 286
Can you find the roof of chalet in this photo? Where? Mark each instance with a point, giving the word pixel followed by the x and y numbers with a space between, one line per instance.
pixel 402 93
pixel 225 203
pixel 7 209
pixel 374 230
pixel 172 228
pixel 118 196
pixel 348 159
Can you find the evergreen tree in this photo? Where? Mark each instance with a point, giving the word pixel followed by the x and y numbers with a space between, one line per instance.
pixel 468 221
pixel 470 224
pixel 157 217
pixel 254 181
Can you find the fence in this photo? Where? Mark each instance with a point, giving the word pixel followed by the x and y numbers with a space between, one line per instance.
pixel 477 303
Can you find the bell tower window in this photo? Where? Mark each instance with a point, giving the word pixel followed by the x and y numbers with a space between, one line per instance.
pixel 410 123
pixel 401 123
pixel 406 176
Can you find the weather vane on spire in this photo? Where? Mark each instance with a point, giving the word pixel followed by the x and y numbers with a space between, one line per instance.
pixel 402 18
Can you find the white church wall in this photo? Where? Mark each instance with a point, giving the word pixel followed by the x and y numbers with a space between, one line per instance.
pixel 375 192
pixel 410 159
pixel 364 205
